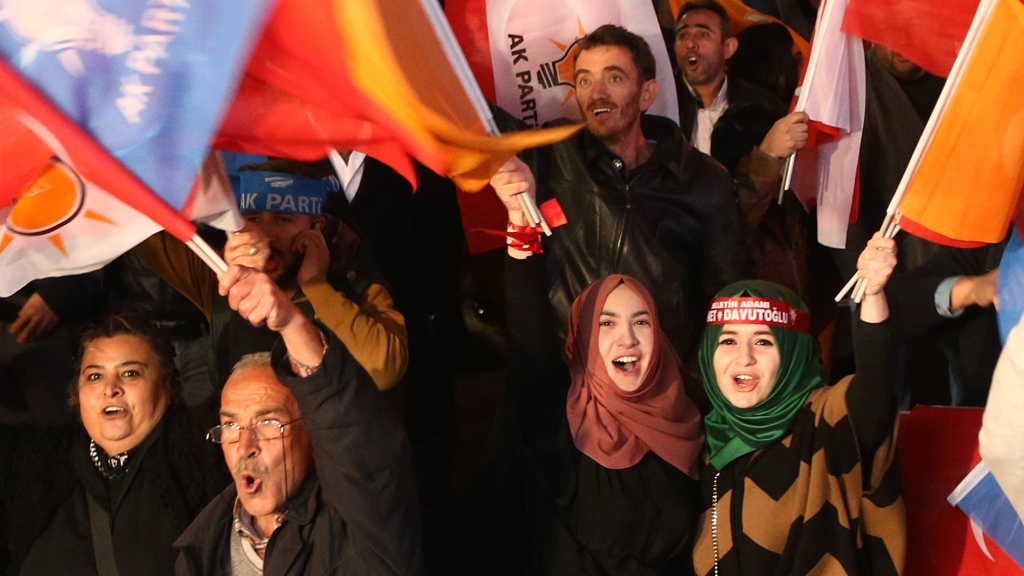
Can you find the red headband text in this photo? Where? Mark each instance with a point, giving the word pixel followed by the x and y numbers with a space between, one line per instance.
pixel 746 310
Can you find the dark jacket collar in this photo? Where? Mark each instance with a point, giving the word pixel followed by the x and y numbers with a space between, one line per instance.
pixel 94 482
pixel 205 539
pixel 668 144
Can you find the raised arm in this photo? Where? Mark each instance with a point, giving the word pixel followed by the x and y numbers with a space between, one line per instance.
pixel 372 330
pixel 870 399
pixel 540 378
pixel 359 446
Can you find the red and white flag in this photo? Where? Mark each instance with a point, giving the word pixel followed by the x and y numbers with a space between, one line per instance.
pixel 832 96
pixel 63 224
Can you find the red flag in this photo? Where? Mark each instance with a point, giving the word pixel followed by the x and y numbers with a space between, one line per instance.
pixel 929 33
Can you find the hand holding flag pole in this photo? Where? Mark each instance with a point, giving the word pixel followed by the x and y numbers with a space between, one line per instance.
pixel 890 226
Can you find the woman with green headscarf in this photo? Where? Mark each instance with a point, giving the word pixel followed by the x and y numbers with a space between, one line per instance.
pixel 800 477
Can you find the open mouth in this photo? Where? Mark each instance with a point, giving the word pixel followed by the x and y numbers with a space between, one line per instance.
pixel 249 483
pixel 692 63
pixel 626 363
pixel 601 111
pixel 745 382
pixel 114 411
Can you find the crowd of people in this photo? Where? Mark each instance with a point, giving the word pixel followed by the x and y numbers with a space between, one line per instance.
pixel 681 395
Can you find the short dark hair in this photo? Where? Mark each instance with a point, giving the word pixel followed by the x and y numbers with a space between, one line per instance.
pixel 314 170
pixel 611 35
pixel 712 5
pixel 129 325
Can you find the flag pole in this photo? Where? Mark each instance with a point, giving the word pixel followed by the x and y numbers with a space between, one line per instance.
pixel 890 227
pixel 461 66
pixel 787 176
pixel 207 254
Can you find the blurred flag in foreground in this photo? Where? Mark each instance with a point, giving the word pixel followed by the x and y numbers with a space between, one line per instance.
pixel 111 104
pixel 832 94
pixel 964 183
pixel 382 77
pixel 63 224
pixel 926 32
pixel 981 498
pixel 147 80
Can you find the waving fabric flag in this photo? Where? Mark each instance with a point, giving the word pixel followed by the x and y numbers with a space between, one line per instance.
pixel 832 95
pixel 349 74
pixel 63 224
pixel 981 498
pixel 147 80
pixel 926 32
pixel 975 140
pixel 526 52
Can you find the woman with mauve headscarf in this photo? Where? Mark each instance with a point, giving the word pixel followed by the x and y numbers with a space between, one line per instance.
pixel 593 465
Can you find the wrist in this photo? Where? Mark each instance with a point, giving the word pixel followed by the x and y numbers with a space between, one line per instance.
pixel 960 295
pixel 518 217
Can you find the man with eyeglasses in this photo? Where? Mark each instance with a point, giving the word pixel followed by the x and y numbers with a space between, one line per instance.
pixel 321 468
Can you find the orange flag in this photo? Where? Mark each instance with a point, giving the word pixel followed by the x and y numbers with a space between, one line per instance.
pixel 385 77
pixel 743 17
pixel 965 188
pixel 424 83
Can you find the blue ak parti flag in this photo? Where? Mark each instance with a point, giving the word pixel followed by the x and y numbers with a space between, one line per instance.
pixel 1011 285
pixel 148 79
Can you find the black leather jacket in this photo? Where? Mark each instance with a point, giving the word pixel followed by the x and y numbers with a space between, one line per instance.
pixel 672 223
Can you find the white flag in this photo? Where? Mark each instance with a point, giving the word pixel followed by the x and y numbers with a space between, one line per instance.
pixel 832 95
pixel 532 47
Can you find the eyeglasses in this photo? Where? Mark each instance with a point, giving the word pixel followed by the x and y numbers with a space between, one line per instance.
pixel 231 433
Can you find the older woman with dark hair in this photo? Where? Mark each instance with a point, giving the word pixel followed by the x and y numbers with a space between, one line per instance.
pixel 140 468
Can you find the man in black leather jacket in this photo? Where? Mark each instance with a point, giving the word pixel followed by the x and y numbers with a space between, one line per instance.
pixel 638 199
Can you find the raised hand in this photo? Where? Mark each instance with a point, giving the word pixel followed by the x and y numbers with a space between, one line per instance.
pixel 248 248
pixel 316 257
pixel 515 177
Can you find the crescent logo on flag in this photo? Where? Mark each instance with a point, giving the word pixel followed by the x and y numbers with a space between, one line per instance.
pixel 55 200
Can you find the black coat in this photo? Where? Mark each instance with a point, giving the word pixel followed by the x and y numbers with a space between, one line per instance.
pixel 543 507
pixel 739 92
pixel 974 335
pixel 672 223
pixel 169 477
pixel 359 514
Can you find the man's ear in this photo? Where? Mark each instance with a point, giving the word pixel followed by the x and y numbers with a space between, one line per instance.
pixel 648 94
pixel 318 223
pixel 730 45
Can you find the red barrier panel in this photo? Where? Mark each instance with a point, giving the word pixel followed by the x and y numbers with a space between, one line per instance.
pixel 938 447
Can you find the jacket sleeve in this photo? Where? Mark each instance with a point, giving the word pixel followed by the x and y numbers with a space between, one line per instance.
pixel 911 294
pixel 538 378
pixel 362 460
pixel 177 265
pixel 372 331
pixel 725 260
pixel 68 295
pixel 758 177
pixel 1002 428
pixel 870 399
